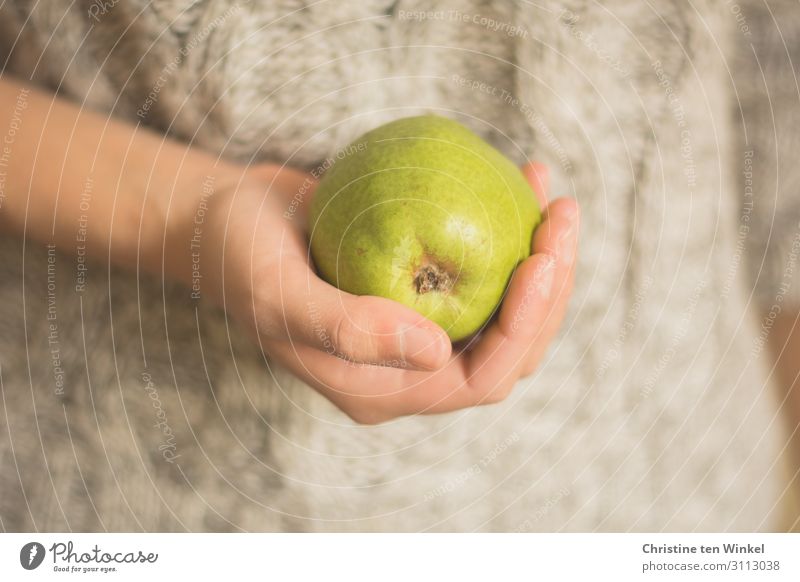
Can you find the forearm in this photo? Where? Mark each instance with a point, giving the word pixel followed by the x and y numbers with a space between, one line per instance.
pixel 73 177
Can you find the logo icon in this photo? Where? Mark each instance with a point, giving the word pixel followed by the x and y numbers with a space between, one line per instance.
pixel 31 555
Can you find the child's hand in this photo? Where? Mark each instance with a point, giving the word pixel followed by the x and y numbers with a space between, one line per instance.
pixel 251 256
pixel 331 339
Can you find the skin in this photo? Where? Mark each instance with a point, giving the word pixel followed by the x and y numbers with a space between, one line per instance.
pixel 432 377
pixel 146 191
pixel 784 342
pixel 423 198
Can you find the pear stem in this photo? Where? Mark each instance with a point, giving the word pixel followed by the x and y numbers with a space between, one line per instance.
pixel 432 277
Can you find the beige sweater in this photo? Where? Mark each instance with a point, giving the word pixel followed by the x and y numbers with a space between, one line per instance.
pixel 653 409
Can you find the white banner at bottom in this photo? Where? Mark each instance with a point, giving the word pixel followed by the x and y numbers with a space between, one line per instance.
pixel 401 557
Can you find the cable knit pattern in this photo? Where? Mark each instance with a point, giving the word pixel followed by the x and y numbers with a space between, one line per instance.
pixel 652 410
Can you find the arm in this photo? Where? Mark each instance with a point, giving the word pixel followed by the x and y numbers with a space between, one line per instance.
pixel 158 205
pixel 143 187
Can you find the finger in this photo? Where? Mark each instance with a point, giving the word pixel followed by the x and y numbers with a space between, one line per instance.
pixel 496 361
pixel 372 394
pixel 538 176
pixel 560 220
pixel 488 372
pixel 486 375
pixel 558 237
pixel 375 394
pixel 367 394
pixel 362 329
pixel 554 322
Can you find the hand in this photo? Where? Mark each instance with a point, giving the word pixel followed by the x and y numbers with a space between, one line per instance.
pixel 372 357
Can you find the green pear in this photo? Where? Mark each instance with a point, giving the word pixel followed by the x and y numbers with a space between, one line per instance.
pixel 424 212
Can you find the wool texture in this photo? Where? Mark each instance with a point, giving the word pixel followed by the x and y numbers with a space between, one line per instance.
pixel 653 409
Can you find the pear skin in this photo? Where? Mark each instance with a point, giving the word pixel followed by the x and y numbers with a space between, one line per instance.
pixel 424 212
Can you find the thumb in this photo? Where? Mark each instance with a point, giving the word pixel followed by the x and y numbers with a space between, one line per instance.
pixel 363 329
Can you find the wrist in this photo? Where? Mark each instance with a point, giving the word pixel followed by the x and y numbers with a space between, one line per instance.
pixel 188 222
pixel 210 241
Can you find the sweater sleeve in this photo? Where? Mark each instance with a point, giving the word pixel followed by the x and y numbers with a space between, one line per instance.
pixel 765 73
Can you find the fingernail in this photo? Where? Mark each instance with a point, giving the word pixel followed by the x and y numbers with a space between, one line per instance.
pixel 543 277
pixel 421 347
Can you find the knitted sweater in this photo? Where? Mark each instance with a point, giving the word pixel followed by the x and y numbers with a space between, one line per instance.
pixel 129 406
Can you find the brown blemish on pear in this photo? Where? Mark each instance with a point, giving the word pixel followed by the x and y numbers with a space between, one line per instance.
pixel 432 277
